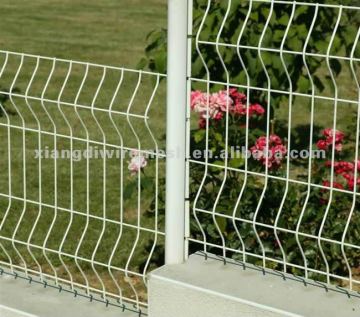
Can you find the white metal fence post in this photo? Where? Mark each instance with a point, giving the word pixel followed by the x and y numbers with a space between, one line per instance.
pixel 175 134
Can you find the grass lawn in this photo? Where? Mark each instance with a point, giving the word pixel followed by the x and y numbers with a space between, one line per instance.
pixel 108 32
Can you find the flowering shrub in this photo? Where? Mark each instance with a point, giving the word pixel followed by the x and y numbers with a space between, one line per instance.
pixel 213 109
pixel 344 171
pixel 273 151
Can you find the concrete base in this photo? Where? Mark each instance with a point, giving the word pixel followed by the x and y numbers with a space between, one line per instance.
pixel 202 288
pixel 18 298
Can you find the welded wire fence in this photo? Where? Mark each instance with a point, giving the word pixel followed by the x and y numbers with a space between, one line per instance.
pixel 274 116
pixel 271 161
pixel 80 164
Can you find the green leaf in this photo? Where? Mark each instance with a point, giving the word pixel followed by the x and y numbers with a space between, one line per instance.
pixel 221 221
pixel 254 15
pixel 160 62
pixel 265 11
pixel 295 44
pixel 284 20
pixel 199 135
pixel 219 163
pixel 336 45
pixel 147 182
pixel 236 162
pixel 301 10
pixel 278 35
pixel 218 137
pixel 129 189
pixel 303 84
pixel 321 46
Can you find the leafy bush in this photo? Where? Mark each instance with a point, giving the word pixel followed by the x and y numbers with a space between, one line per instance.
pixel 287 208
pixel 279 208
pixel 319 42
pixel 281 213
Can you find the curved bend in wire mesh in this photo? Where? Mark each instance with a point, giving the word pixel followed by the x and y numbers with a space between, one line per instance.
pixel 277 77
pixel 80 162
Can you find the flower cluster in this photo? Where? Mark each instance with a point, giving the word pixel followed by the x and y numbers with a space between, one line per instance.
pixel 275 154
pixel 346 170
pixel 215 105
pixel 328 140
pixel 137 162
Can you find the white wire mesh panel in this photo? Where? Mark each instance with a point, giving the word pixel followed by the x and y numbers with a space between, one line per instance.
pixel 274 136
pixel 80 162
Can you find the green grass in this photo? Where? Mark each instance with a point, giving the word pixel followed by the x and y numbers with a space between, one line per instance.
pixel 103 32
pixel 109 32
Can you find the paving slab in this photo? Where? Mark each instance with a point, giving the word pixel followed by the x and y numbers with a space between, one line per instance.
pixel 18 298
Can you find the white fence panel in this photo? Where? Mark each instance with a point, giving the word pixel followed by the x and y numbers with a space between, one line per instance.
pixel 81 163
pixel 274 136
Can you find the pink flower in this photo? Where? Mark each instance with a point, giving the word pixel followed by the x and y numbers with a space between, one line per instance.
pixel 275 154
pixel 256 109
pixel 239 109
pixel 346 170
pixel 345 167
pixel 329 134
pixel 212 113
pixel 350 180
pixel 239 102
pixel 351 183
pixel 218 116
pixel 221 100
pixel 322 145
pixel 341 167
pixel 257 154
pixel 338 147
pixel 329 139
pixel 198 101
pixel 261 142
pixel 197 98
pixel 274 139
pixel 278 152
pixel 206 105
pixel 137 162
pixel 237 97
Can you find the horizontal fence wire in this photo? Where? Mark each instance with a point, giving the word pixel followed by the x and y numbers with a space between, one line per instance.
pixel 273 136
pixel 82 164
